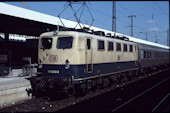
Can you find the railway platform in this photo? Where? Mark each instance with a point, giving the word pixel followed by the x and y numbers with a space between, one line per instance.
pixel 13 89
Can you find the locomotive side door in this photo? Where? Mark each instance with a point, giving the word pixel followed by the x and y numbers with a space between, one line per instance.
pixel 88 56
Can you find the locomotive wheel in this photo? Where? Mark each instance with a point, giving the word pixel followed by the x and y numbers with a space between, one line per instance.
pixel 111 83
pixel 81 89
pixel 37 93
pixel 93 85
pixel 70 92
pixel 105 83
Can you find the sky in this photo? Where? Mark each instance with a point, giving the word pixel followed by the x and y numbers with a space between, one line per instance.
pixel 152 17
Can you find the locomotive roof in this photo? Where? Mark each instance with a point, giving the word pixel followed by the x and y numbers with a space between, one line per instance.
pixel 133 39
pixel 84 34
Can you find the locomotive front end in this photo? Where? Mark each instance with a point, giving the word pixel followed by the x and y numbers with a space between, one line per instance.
pixel 55 54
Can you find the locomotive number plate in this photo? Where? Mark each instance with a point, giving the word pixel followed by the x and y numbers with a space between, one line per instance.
pixel 54 71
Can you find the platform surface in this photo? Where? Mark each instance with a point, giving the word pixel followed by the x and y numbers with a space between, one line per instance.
pixel 13 90
pixel 12 82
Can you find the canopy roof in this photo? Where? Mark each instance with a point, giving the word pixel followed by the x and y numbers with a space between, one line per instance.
pixel 22 21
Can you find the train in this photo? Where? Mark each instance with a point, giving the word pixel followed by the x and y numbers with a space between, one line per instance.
pixel 73 62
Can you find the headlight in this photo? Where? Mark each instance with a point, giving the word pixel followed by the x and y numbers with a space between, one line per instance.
pixel 67 64
pixel 40 66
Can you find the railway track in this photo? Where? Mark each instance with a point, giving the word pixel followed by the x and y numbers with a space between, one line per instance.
pixel 47 105
pixel 142 96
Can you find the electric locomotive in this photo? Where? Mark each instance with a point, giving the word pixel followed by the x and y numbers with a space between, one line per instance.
pixel 72 61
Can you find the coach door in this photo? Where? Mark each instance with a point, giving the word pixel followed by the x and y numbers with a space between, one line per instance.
pixel 89 65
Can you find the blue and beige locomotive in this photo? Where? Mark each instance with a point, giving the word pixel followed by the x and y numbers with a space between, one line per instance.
pixel 74 62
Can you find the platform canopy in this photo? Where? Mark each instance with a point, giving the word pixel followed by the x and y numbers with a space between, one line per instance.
pixel 17 20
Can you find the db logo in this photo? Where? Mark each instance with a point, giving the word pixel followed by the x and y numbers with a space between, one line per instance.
pixel 53 58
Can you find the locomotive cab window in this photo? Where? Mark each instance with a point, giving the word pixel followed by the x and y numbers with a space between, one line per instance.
pixel 46 43
pixel 100 45
pixel 64 42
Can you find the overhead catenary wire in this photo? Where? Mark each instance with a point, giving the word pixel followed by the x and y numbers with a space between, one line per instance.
pixel 161 9
pixel 119 19
pixel 144 16
pixel 84 16
pixel 137 19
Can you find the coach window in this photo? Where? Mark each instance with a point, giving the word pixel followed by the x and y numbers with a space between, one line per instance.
pixel 110 46
pixel 118 46
pixel 88 44
pixel 101 45
pixel 144 54
pixel 147 54
pixel 125 47
pixel 167 55
pixel 164 54
pixel 130 48
pixel 160 55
